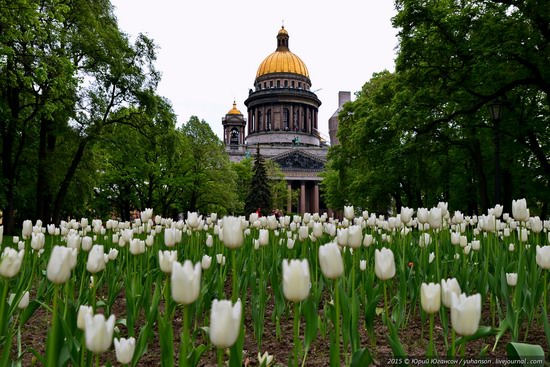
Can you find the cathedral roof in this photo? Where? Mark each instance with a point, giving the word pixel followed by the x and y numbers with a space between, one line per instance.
pixel 234 110
pixel 282 60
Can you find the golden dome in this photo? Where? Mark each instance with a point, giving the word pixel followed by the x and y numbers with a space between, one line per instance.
pixel 234 110
pixel 282 60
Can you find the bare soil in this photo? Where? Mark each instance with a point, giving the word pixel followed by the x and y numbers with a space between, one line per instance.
pixel 414 337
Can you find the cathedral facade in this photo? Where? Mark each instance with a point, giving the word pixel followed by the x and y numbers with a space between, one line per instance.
pixel 282 119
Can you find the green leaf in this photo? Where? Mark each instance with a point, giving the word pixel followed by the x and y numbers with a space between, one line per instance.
pixel 361 357
pixel 546 326
pixel 525 352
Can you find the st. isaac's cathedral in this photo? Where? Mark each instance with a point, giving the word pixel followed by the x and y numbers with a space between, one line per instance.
pixel 282 121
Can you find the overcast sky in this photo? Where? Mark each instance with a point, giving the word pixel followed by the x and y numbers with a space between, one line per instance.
pixel 209 50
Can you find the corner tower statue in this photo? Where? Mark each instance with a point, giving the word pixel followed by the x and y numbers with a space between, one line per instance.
pixel 283 121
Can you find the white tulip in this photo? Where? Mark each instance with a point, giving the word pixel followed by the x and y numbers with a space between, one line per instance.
pixel 225 322
pixel 186 282
pixel 296 280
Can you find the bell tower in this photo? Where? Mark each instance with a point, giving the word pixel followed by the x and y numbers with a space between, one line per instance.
pixel 233 129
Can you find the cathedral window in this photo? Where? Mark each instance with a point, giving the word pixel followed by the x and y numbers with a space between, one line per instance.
pixel 286 118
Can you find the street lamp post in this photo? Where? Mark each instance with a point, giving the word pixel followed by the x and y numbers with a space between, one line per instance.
pixel 495 111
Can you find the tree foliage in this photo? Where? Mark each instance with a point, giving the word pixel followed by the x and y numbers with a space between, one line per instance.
pixel 83 130
pixel 259 192
pixel 423 133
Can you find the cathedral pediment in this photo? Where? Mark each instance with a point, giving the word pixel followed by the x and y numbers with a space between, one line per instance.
pixel 297 160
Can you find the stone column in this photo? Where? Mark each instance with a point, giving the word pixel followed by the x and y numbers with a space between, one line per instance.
pixel 289 198
pixel 315 208
pixel 302 197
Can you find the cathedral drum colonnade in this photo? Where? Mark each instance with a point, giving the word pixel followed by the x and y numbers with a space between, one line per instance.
pixel 282 118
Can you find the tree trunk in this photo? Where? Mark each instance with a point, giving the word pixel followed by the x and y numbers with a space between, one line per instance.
pixel 64 187
pixel 477 160
pixel 43 185
pixel 8 166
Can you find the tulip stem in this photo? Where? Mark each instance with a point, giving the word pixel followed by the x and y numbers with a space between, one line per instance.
pixel 386 300
pixel 52 345
pixel 431 346
pixel 93 292
pixel 545 301
pixel 453 342
pixel 235 294
pixel 220 357
pixel 184 338
pixel 3 301
pixel 97 360
pixel 296 332
pixel 337 319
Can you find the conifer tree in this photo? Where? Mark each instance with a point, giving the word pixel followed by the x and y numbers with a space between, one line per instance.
pixel 259 195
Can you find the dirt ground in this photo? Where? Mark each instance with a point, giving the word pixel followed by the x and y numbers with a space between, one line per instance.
pixel 413 337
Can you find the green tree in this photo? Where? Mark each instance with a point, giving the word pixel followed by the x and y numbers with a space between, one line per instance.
pixel 209 181
pixel 457 57
pixel 259 192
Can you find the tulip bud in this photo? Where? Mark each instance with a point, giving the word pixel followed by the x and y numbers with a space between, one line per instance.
pixel 170 237
pixel 290 243
pixel 263 237
pixel 543 257
pixel 96 260
pixel 225 322
pixel 296 280
pixel 519 210
pixel 455 238
pixel 113 254
pixel 24 302
pixel 422 215
pixel 430 297
pixel 435 218
pixel 81 318
pixel 27 229
pixel 355 236
pixel 124 349
pixel 209 241
pixel 265 359
pixel 465 313
pixel 511 279
pixel 449 287
pixel 384 264
pixel 60 264
pixel 166 259
pixel 349 212
pixel 137 246
pixel 233 232
pixel 193 219
pixel 186 282
pixel 431 257
pixel 368 240
pixel 220 259
pixel 363 265
pixel 99 332
pixel 317 229
pixel 206 262
pixel 10 262
pixel 86 243
pixel 330 259
pixel 406 215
